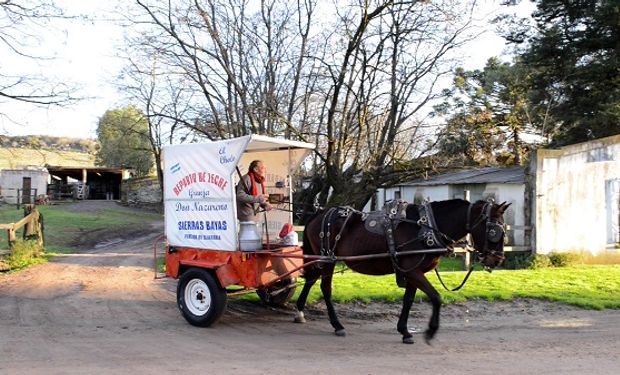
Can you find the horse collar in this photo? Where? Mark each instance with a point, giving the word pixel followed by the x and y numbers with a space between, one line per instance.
pixel 428 227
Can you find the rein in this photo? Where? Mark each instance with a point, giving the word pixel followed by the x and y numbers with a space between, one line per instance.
pixel 471 268
pixel 328 249
pixel 421 223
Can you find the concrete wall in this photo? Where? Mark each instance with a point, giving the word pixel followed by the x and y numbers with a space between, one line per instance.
pixel 576 197
pixel 142 192
pixel 12 179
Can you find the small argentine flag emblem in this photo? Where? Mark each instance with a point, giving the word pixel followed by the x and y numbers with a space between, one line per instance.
pixel 175 168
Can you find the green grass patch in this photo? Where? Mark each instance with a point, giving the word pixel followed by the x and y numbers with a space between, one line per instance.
pixel 594 287
pixel 588 286
pixel 23 254
pixel 63 227
pixel 67 227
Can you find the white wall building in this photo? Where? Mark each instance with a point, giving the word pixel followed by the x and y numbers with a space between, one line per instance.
pixel 576 197
pixel 23 184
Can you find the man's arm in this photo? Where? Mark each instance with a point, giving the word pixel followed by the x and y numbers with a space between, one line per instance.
pixel 242 192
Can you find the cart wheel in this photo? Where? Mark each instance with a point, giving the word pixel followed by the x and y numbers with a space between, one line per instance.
pixel 200 298
pixel 278 294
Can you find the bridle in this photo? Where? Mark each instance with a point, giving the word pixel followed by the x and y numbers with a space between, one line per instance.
pixel 494 232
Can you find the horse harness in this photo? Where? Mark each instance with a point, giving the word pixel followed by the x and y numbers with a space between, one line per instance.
pixel 494 231
pixel 329 218
pixel 385 221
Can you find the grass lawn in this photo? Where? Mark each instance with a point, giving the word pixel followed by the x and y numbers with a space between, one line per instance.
pixel 66 226
pixel 589 286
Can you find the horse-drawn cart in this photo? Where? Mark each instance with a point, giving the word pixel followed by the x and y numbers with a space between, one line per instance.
pixel 205 240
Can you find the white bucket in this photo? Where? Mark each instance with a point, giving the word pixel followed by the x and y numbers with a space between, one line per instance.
pixel 291 239
pixel 249 236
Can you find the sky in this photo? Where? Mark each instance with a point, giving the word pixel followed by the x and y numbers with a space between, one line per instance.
pixel 86 54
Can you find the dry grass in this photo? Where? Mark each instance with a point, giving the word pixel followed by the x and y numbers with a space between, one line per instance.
pixel 610 257
pixel 15 158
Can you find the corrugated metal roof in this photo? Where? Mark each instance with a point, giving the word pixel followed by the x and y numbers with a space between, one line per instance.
pixel 512 175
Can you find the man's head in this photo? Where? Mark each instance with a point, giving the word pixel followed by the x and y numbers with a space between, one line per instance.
pixel 258 167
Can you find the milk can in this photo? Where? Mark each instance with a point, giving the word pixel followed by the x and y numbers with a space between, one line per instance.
pixel 249 236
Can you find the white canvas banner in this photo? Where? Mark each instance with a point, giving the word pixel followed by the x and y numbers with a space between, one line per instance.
pixel 199 194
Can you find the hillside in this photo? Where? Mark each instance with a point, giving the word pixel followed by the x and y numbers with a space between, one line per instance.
pixel 15 158
pixel 21 151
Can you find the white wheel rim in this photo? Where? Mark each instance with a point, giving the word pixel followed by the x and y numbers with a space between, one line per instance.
pixel 197 297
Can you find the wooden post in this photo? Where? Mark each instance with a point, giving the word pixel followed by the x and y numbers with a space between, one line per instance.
pixel 466 260
pixel 466 255
pixel 11 238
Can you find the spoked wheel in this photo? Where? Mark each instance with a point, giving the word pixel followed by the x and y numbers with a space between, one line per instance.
pixel 200 298
pixel 278 294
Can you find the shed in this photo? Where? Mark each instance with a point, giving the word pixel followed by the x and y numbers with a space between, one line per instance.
pixel 22 185
pixel 95 182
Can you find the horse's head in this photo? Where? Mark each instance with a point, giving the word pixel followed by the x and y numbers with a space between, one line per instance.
pixel 485 222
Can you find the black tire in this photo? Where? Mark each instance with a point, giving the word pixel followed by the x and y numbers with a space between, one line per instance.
pixel 200 298
pixel 278 294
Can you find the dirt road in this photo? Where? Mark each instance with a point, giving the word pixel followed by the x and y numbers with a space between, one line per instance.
pixel 102 311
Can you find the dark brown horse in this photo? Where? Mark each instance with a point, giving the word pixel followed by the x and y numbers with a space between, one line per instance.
pixel 412 239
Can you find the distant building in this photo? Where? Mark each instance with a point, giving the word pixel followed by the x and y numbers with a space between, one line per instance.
pixel 22 185
pixel 25 185
pixel 86 182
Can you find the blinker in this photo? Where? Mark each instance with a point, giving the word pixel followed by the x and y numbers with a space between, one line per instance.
pixel 494 232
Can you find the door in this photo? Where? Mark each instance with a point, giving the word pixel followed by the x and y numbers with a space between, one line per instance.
pixel 26 190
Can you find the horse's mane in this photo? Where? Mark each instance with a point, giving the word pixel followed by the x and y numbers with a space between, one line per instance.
pixel 440 206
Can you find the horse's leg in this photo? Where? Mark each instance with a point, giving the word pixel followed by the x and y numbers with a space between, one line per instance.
pixel 424 285
pixel 326 288
pixel 311 276
pixel 404 314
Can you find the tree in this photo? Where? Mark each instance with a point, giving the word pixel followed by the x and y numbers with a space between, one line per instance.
pixel 354 84
pixel 574 53
pixel 123 140
pixel 489 113
pixel 21 25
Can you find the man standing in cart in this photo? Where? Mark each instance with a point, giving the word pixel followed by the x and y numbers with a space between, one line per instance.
pixel 251 194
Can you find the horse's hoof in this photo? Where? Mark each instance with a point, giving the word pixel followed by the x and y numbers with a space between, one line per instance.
pixel 299 318
pixel 340 332
pixel 428 337
pixel 408 340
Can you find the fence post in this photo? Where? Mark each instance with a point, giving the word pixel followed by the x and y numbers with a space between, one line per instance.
pixel 466 256
pixel 11 238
